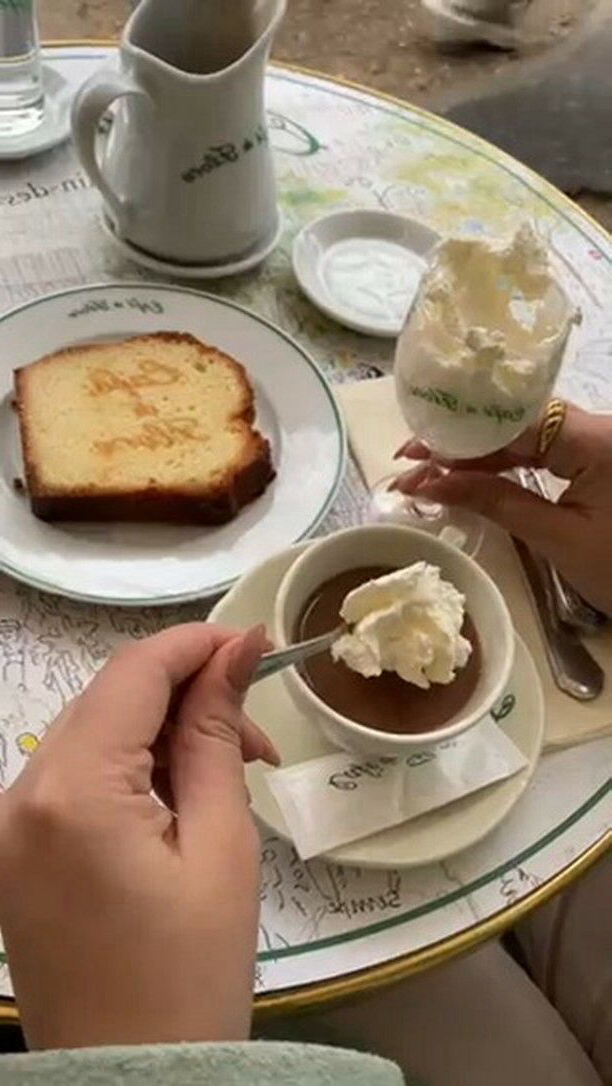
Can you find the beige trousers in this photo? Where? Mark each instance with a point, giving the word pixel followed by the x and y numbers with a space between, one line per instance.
pixel 481 1020
pixel 568 950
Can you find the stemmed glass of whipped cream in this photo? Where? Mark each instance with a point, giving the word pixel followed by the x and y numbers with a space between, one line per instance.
pixel 475 363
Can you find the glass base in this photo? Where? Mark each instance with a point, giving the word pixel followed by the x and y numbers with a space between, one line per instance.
pixel 455 526
pixel 21 121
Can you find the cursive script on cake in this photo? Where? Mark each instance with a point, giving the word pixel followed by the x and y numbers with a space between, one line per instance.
pixel 148 374
pixel 158 434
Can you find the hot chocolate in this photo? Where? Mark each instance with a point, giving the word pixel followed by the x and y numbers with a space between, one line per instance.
pixel 386 702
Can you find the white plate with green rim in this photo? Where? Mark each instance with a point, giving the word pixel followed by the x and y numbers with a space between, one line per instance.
pixel 131 564
pixel 424 840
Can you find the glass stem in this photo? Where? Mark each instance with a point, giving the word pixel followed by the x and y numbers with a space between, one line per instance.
pixel 423 507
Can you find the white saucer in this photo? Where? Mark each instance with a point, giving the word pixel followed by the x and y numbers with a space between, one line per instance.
pixel 193 271
pixel 55 126
pixel 424 840
pixel 362 267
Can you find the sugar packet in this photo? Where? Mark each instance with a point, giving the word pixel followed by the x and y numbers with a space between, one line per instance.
pixel 330 801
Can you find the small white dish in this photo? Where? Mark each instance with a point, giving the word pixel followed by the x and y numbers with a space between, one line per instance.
pixel 55 126
pixel 193 271
pixel 155 564
pixel 396 546
pixel 428 839
pixel 362 267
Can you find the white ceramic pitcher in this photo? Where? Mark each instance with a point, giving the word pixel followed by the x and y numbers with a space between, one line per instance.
pixel 187 173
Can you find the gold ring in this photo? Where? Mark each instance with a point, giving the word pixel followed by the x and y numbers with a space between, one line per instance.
pixel 550 426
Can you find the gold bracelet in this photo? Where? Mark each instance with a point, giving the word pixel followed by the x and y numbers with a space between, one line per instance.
pixel 550 426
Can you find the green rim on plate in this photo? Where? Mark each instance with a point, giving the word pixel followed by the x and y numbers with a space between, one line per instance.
pixel 217 589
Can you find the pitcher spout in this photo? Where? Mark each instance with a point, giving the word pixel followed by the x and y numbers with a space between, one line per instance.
pixel 203 38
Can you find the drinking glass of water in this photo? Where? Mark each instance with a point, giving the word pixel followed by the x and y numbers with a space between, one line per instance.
pixel 21 89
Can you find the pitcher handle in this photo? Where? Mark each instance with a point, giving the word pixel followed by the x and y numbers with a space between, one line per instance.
pixel 91 101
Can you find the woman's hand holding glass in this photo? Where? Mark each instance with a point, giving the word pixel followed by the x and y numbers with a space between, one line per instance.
pixel 575 533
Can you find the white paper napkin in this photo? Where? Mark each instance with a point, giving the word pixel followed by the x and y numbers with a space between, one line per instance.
pixel 376 429
pixel 339 798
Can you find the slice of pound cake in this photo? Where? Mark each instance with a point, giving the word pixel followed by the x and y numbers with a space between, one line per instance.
pixel 154 428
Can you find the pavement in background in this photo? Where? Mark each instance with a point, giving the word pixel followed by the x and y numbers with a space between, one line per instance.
pixel 557 117
pixel 549 105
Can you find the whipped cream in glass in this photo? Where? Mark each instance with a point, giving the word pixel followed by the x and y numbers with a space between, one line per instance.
pixel 483 343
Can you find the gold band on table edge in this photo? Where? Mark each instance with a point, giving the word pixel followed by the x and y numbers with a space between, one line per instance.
pixel 313 996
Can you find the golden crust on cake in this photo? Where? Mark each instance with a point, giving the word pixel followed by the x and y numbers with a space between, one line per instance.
pixel 153 428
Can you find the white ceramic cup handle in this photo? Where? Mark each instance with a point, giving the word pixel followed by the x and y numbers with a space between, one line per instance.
pixel 92 100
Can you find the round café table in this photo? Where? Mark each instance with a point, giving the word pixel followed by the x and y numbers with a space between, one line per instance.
pixel 327 931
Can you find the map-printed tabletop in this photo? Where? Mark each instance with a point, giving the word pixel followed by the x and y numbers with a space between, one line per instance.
pixel 322 926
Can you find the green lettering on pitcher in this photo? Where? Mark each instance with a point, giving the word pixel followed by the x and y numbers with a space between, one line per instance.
pixel 221 154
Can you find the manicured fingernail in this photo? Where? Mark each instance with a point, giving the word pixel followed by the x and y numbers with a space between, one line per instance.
pixel 270 754
pixel 412 450
pixel 246 656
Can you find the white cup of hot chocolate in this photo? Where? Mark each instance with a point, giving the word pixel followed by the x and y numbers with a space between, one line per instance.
pixel 388 715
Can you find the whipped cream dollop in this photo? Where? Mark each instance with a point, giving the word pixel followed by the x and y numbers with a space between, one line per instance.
pixel 484 342
pixel 408 621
